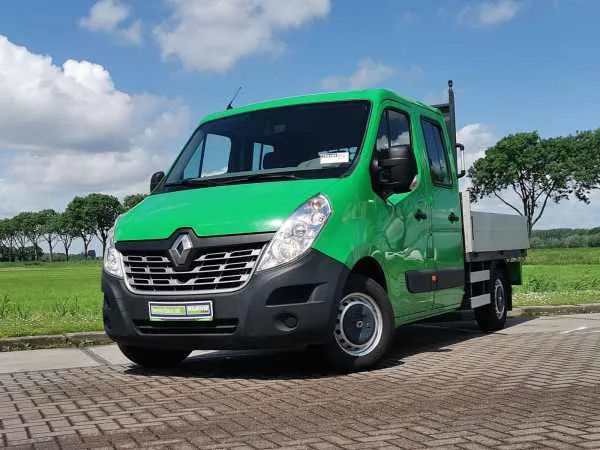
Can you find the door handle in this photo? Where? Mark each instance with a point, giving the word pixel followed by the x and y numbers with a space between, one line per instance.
pixel 420 215
pixel 453 217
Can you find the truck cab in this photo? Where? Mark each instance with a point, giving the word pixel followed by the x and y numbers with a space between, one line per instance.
pixel 327 219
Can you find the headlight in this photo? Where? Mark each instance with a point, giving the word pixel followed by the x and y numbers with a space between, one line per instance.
pixel 297 233
pixel 113 263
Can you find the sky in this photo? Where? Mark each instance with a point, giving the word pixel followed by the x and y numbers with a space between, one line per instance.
pixel 95 96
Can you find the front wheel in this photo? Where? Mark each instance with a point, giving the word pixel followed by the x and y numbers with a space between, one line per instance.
pixel 492 316
pixel 153 358
pixel 363 327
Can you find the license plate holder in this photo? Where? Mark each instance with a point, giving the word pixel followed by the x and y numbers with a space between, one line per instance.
pixel 201 311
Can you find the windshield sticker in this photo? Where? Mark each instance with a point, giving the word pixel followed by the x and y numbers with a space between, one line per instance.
pixel 334 157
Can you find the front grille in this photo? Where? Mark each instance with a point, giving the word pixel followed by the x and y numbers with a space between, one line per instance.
pixel 217 326
pixel 211 270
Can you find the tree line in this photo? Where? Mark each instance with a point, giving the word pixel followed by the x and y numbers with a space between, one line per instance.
pixel 84 218
pixel 566 238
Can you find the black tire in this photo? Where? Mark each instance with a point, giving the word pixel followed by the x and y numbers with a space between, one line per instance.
pixel 153 358
pixel 364 313
pixel 492 317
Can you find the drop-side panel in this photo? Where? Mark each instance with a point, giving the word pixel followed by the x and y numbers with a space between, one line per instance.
pixel 491 232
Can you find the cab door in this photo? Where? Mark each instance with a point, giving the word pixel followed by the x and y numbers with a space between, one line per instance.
pixel 446 226
pixel 407 226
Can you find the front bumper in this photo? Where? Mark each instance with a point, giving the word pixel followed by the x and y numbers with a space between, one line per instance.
pixel 260 315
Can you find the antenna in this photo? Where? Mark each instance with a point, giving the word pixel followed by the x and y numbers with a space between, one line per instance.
pixel 230 105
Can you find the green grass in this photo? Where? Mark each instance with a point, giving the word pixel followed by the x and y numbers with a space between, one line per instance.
pixel 50 298
pixel 60 298
pixel 560 276
pixel 559 285
pixel 563 256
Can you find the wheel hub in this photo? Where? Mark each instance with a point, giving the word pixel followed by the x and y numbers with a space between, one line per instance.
pixel 359 324
pixel 499 299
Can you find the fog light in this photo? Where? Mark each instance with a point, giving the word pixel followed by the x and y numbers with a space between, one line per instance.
pixel 286 322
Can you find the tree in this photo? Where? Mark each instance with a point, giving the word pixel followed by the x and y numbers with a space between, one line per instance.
pixel 49 224
pixel 594 240
pixel 537 171
pixel 19 225
pixel 66 231
pixel 102 210
pixel 6 240
pixel 32 221
pixel 132 200
pixel 575 241
pixel 81 221
pixel 10 231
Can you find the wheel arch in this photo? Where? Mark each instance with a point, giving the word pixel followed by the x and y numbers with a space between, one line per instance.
pixel 370 268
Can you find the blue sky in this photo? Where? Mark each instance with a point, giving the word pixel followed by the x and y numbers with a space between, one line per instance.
pixel 143 73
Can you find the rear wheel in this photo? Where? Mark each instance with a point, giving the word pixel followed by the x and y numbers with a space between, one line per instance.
pixel 492 316
pixel 153 358
pixel 363 326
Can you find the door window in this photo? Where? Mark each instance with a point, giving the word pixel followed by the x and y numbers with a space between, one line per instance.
pixel 260 150
pixel 437 157
pixel 210 157
pixel 394 130
pixel 215 158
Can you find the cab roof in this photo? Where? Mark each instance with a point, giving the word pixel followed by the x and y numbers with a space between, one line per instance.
pixel 371 95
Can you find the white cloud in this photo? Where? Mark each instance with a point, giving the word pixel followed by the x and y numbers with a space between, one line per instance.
pixel 572 214
pixel 438 98
pixel 67 130
pixel 109 16
pixel 476 138
pixel 368 73
pixel 70 107
pixel 489 13
pixel 133 33
pixel 212 35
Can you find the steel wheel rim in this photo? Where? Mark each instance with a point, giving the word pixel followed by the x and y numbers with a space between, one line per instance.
pixel 499 299
pixel 354 308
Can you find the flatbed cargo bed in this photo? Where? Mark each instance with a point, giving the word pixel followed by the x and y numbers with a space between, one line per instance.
pixel 491 235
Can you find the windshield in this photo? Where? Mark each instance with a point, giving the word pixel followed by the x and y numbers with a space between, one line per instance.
pixel 307 141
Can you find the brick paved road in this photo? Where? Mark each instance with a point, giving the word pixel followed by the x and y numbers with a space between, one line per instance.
pixel 536 385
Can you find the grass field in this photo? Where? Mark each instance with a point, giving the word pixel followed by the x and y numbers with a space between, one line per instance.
pixel 60 298
pixel 560 276
pixel 50 298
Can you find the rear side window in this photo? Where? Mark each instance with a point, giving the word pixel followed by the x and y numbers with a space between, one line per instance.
pixel 439 166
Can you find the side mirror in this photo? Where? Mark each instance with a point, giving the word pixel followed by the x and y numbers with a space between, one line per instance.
pixel 156 179
pixel 397 168
pixel 461 149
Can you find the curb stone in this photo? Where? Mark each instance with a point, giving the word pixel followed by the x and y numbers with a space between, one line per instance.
pixel 533 311
pixel 525 311
pixel 99 337
pixel 53 341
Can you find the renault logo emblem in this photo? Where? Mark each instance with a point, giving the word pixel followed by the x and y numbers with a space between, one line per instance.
pixel 181 249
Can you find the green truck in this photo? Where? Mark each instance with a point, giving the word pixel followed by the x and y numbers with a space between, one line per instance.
pixel 325 220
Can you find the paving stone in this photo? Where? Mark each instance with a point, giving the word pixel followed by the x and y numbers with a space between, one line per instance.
pixel 441 388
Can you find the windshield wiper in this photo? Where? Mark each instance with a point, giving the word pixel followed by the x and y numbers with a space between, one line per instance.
pixel 233 180
pixel 194 182
pixel 272 176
